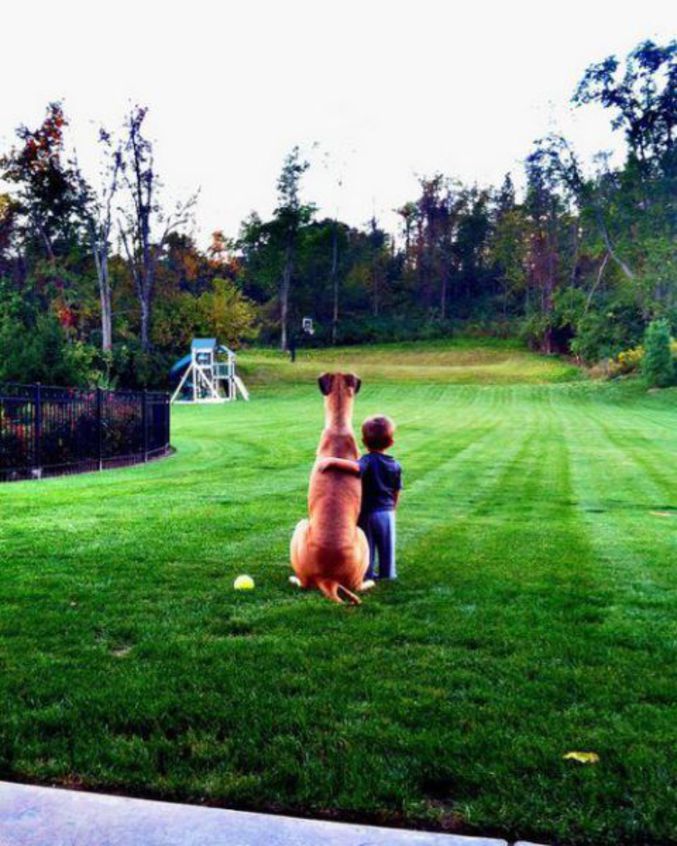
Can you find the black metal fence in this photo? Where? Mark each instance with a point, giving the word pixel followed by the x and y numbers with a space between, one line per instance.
pixel 51 431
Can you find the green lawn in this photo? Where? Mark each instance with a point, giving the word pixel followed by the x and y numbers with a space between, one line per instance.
pixel 535 613
pixel 461 361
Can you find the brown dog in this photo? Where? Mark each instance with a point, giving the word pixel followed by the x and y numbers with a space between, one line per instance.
pixel 329 551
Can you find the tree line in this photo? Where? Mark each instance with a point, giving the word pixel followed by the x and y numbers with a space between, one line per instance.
pixel 100 281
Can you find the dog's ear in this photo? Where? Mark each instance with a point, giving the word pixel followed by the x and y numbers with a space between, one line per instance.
pixel 325 382
pixel 353 381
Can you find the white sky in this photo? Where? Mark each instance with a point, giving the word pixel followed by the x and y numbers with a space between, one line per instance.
pixel 387 89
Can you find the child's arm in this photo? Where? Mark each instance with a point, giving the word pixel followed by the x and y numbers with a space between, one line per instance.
pixel 398 487
pixel 342 464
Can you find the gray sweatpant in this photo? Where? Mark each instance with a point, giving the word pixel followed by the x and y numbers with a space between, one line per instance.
pixel 379 527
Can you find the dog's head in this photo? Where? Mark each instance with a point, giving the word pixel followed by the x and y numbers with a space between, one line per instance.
pixel 339 384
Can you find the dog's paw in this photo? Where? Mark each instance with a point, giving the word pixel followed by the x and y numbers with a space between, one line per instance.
pixel 368 584
pixel 294 580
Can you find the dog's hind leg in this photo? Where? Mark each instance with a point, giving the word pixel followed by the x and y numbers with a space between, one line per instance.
pixel 363 550
pixel 330 589
pixel 298 549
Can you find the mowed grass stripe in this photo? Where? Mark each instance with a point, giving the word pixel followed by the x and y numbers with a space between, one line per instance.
pixel 633 553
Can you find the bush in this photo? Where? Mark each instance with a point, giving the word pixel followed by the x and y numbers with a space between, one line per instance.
pixel 532 330
pixel 658 366
pixel 133 369
pixel 42 353
pixel 626 362
pixel 604 334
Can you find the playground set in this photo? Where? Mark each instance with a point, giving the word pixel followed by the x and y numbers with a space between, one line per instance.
pixel 207 374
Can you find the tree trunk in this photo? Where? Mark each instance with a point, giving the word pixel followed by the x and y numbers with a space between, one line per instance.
pixel 106 309
pixel 610 249
pixel 147 285
pixel 443 296
pixel 284 297
pixel 600 273
pixel 335 285
pixel 144 301
pixel 101 263
pixel 574 260
pixel 47 242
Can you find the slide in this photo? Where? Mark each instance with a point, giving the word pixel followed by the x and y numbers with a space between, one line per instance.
pixel 239 384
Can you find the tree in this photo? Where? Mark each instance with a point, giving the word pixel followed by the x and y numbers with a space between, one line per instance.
pixel 290 216
pixel 95 208
pixel 430 228
pixel 136 229
pixel 226 314
pixel 378 258
pixel 640 199
pixel 471 243
pixel 46 183
pixel 543 207
pixel 34 344
pixel 8 226
pixel 643 99
pixel 508 244
pixel 658 366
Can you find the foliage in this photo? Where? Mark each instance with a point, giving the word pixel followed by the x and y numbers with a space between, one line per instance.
pixel 579 264
pixel 627 361
pixel 642 98
pixel 658 366
pixel 226 314
pixel 35 347
pixel 602 333
pixel 46 183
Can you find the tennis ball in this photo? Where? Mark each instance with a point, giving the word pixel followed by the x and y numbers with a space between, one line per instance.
pixel 244 583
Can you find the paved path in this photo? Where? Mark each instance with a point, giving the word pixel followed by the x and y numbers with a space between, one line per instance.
pixel 44 816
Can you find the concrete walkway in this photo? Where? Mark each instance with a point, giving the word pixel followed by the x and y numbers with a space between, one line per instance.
pixel 45 816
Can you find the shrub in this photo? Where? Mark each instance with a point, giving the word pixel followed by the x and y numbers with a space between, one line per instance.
pixel 129 367
pixel 533 330
pixel 605 333
pixel 658 366
pixel 627 361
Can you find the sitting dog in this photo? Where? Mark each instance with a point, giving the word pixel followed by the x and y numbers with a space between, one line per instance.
pixel 329 551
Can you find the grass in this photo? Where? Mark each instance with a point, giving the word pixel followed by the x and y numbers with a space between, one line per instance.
pixel 535 613
pixel 461 361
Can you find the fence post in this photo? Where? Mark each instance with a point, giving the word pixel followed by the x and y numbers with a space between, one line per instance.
pixel 99 427
pixel 38 430
pixel 168 423
pixel 145 424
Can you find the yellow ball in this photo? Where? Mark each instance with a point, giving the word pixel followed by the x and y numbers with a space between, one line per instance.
pixel 244 583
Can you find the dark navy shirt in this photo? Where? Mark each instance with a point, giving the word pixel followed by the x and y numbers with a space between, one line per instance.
pixel 381 479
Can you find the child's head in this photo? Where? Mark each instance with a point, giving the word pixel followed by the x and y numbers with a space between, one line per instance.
pixel 378 433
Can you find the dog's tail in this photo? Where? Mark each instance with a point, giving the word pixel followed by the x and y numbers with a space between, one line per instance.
pixel 331 588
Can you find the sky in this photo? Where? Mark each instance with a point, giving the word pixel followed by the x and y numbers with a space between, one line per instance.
pixel 375 92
